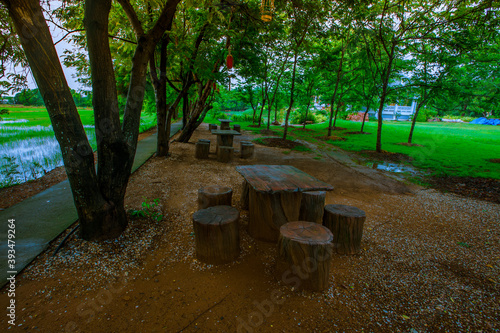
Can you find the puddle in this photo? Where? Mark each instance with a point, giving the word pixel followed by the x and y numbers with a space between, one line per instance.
pixel 391 167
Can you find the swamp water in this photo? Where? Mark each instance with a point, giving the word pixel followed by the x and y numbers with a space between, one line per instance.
pixel 28 152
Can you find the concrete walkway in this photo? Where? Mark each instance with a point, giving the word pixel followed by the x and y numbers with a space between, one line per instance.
pixel 43 217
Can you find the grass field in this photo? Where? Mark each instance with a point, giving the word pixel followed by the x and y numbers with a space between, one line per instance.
pixel 454 149
pixel 28 148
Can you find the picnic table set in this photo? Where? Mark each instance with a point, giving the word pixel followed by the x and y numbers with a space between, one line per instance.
pixel 285 206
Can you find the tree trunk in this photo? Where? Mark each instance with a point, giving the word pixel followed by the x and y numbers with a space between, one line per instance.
pixel 339 75
pixel 339 104
pixel 305 250
pixel 413 121
pixel 285 132
pixel 160 87
pixel 309 89
pixel 385 84
pixel 198 112
pixel 77 154
pixel 364 115
pixel 98 198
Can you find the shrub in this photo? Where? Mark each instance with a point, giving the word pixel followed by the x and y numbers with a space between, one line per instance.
pixel 425 114
pixel 4 111
pixel 242 117
pixel 300 117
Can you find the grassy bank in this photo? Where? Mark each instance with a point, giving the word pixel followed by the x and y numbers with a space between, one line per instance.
pixel 454 149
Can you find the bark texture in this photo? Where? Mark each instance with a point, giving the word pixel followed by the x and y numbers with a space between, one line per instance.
pixel 269 211
pixel 346 224
pixel 312 206
pixel 217 235
pixel 225 154
pixel 202 149
pixel 210 196
pixel 246 149
pixel 305 250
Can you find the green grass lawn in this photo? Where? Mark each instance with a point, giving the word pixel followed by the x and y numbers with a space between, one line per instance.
pixel 454 149
pixel 28 148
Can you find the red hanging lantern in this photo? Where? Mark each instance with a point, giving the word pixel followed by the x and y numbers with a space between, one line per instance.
pixel 229 61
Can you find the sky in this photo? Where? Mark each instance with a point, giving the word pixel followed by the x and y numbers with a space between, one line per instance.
pixel 57 34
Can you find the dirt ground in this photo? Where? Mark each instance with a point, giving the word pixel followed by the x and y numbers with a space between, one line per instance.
pixel 429 261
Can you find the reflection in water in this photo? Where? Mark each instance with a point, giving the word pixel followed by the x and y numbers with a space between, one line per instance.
pixel 392 167
pixel 28 153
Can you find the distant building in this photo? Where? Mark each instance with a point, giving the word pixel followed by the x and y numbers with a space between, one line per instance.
pixel 396 112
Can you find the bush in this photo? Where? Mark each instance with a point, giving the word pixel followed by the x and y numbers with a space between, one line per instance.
pixel 4 111
pixel 220 115
pixel 426 114
pixel 300 117
pixel 242 117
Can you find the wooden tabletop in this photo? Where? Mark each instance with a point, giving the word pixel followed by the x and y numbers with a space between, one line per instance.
pixel 224 120
pixel 276 178
pixel 225 132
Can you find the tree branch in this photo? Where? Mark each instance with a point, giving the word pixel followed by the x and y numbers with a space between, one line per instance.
pixel 132 17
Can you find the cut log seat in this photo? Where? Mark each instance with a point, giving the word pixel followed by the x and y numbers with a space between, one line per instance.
pixel 312 206
pixel 346 224
pixel 217 235
pixel 304 255
pixel 202 149
pixel 246 149
pixel 209 196
pixel 225 154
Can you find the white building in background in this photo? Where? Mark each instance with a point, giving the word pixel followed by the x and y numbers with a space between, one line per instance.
pixel 396 112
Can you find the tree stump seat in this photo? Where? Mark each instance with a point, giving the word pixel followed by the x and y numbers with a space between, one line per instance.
pixel 225 154
pixel 304 255
pixel 210 196
pixel 212 127
pixel 246 149
pixel 346 224
pixel 312 206
pixel 217 235
pixel 202 149
pixel 237 128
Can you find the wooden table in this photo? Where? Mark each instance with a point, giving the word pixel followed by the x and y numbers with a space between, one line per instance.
pixel 225 137
pixel 224 124
pixel 273 194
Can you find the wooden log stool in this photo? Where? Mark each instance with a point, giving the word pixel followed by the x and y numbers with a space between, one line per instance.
pixel 217 234
pixel 312 206
pixel 237 128
pixel 212 127
pixel 346 224
pixel 210 196
pixel 224 124
pixel 202 148
pixel 304 255
pixel 225 154
pixel 246 149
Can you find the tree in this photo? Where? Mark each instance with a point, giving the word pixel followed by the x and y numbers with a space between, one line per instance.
pixel 99 197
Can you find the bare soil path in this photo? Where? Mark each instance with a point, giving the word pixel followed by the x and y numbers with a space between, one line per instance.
pixel 429 262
